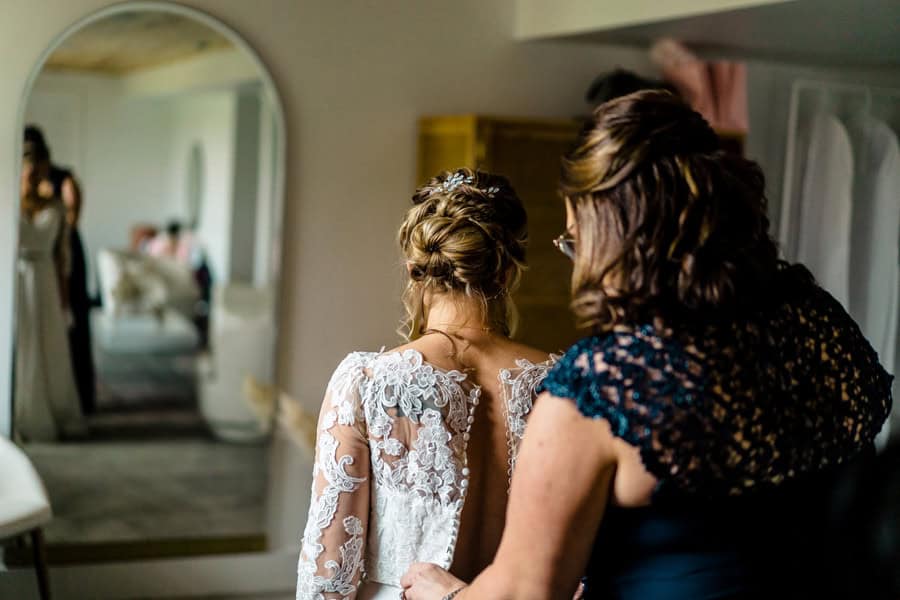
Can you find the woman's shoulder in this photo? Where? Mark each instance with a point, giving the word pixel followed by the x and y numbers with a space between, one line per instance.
pixel 630 376
pixel 604 354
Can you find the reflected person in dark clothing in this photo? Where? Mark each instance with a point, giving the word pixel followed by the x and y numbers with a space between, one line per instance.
pixel 66 187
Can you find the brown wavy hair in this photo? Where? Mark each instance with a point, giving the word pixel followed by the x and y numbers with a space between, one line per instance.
pixel 668 225
pixel 465 235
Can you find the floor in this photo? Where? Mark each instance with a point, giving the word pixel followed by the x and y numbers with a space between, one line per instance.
pixel 149 469
pixel 280 596
pixel 120 491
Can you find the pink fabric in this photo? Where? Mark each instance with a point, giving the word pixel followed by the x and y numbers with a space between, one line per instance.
pixel 717 90
pixel 729 83
pixel 141 235
pixel 180 248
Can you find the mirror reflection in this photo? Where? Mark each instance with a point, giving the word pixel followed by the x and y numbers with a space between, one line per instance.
pixel 146 284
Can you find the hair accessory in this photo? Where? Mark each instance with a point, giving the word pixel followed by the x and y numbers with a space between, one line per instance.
pixel 458 178
pixel 455 180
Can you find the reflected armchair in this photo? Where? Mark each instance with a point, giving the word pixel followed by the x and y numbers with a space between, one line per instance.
pixel 237 397
pixel 24 506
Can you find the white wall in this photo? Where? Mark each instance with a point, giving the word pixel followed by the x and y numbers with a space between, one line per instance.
pixel 129 145
pixel 265 264
pixel 245 189
pixel 118 146
pixel 208 119
pixel 354 76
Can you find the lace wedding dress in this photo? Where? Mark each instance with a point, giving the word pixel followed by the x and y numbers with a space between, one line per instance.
pixel 391 471
pixel 45 395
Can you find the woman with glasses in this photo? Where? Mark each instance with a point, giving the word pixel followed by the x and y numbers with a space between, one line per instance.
pixel 416 444
pixel 685 449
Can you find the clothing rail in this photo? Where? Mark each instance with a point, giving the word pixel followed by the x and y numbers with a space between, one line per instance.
pixel 801 85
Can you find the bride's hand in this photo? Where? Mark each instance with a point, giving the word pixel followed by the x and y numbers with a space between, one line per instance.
pixel 427 581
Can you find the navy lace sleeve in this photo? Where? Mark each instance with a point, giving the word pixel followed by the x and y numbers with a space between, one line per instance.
pixel 738 407
pixel 637 383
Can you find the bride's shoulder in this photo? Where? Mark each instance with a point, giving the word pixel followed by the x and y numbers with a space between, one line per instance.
pixel 528 358
pixel 355 360
pixel 531 368
pixel 351 367
pixel 374 364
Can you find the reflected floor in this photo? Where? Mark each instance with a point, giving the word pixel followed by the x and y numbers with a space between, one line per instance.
pixel 125 491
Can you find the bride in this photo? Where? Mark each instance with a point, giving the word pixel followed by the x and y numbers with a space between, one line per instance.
pixel 416 444
pixel 45 398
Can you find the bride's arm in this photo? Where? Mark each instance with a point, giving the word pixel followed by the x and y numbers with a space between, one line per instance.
pixel 331 561
pixel 559 493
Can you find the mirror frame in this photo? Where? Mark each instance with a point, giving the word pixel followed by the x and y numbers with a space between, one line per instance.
pixel 84 553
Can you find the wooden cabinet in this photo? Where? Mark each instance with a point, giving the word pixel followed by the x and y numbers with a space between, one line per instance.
pixel 527 152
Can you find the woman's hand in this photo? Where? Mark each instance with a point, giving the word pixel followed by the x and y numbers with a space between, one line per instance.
pixel 579 593
pixel 427 581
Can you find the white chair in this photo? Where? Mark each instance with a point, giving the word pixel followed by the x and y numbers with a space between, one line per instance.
pixel 24 506
pixel 236 398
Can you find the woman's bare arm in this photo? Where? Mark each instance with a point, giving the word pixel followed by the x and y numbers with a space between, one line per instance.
pixel 71 197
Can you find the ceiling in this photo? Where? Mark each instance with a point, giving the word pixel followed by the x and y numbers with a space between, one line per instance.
pixel 823 32
pixel 132 41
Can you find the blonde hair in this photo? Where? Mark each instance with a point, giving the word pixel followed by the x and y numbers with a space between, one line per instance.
pixel 465 236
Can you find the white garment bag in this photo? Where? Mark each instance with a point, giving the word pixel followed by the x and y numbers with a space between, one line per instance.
pixel 875 237
pixel 823 236
pixel 875 242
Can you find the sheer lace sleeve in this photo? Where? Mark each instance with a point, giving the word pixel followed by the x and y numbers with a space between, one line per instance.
pixel 331 560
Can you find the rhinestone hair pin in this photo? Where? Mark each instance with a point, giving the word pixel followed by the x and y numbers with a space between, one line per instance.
pixel 457 179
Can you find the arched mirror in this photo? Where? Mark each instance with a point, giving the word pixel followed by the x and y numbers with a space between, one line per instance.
pixel 146 285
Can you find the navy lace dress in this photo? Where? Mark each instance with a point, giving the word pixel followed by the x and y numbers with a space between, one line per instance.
pixel 744 426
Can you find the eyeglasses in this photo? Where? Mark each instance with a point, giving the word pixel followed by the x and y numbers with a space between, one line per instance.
pixel 565 243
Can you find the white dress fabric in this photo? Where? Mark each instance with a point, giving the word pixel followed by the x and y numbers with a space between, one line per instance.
pixel 391 473
pixel 823 235
pixel 875 237
pixel 45 399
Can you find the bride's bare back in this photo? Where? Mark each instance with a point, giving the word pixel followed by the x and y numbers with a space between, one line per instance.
pixel 485 359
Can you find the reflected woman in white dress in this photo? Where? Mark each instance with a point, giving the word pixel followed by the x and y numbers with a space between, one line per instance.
pixel 416 444
pixel 46 399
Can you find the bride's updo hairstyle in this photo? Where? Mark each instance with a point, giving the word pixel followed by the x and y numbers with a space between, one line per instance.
pixel 668 225
pixel 465 237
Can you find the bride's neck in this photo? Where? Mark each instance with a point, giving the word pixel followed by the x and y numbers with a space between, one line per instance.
pixel 452 315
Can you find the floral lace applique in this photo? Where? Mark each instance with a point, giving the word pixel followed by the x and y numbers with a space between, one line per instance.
pixel 405 423
pixel 520 389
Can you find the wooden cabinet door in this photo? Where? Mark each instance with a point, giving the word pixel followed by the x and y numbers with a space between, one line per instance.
pixel 529 154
